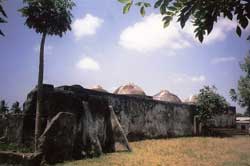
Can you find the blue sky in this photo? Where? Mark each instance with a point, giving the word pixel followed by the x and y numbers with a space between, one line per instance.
pixel 110 49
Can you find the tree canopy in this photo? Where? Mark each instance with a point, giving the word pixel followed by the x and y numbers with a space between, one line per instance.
pixel 52 17
pixel 209 103
pixel 242 95
pixel 3 16
pixel 16 107
pixel 202 13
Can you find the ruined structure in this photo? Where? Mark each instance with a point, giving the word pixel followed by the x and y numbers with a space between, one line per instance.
pixel 87 130
pixel 79 120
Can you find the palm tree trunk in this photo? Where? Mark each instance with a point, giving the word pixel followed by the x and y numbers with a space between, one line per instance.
pixel 39 104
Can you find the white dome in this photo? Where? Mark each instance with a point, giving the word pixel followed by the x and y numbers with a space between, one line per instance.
pixel 129 89
pixel 165 95
pixel 192 99
pixel 98 88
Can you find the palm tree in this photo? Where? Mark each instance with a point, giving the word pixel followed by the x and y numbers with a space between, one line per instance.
pixel 46 17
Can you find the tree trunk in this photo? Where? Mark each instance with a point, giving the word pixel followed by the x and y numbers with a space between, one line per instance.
pixel 39 104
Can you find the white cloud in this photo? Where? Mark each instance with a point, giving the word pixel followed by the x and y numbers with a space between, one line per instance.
pixel 222 60
pixel 48 49
pixel 219 32
pixel 149 34
pixel 88 63
pixel 200 78
pixel 185 78
pixel 86 26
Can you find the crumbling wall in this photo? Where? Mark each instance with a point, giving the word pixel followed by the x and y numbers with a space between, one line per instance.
pixel 92 124
pixel 144 118
pixel 141 116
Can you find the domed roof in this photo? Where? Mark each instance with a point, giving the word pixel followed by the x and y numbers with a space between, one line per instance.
pixel 192 99
pixel 98 88
pixel 165 95
pixel 130 89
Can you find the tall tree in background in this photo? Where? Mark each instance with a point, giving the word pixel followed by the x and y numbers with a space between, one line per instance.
pixel 3 107
pixel 202 13
pixel 243 93
pixel 16 107
pixel 210 103
pixel 46 17
pixel 3 16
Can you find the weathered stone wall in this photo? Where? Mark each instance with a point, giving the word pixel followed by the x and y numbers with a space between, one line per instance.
pixel 93 130
pixel 142 117
pixel 146 118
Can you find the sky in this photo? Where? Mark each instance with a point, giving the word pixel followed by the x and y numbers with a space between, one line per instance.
pixel 110 49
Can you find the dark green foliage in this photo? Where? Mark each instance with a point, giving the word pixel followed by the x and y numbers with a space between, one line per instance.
pixel 243 93
pixel 52 17
pixel 3 16
pixel 3 107
pixel 202 13
pixel 16 108
pixel 209 103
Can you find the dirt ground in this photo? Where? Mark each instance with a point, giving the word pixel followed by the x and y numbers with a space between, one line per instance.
pixel 193 151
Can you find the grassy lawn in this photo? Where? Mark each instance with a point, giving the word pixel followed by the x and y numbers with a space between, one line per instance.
pixel 194 151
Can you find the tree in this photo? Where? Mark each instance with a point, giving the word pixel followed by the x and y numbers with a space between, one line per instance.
pixel 243 93
pixel 210 103
pixel 46 17
pixel 3 107
pixel 202 13
pixel 3 16
pixel 15 108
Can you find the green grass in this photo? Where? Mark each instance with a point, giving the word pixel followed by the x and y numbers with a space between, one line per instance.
pixel 196 151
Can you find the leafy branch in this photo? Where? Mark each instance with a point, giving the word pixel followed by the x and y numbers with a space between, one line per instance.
pixel 202 13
